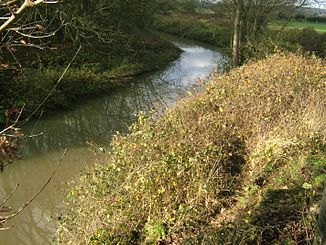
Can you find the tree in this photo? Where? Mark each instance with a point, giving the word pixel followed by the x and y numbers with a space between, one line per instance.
pixel 251 16
pixel 238 9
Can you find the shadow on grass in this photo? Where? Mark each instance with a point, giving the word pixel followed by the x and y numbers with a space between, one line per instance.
pixel 281 216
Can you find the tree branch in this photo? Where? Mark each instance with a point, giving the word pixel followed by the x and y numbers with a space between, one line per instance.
pixel 27 4
pixel 22 207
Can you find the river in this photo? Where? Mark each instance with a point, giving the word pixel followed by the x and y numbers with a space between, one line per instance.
pixel 82 130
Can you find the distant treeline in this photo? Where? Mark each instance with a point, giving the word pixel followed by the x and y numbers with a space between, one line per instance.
pixel 303 17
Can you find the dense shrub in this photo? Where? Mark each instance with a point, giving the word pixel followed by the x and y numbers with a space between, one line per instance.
pixel 235 164
pixel 265 45
pixel 194 26
pixel 310 40
pixel 295 40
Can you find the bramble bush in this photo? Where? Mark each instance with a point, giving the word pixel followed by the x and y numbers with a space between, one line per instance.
pixel 239 163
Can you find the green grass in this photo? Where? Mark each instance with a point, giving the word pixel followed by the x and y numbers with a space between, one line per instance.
pixel 319 27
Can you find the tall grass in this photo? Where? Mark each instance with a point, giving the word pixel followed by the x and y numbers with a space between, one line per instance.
pixel 240 163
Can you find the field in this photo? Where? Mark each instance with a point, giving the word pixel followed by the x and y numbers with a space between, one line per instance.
pixel 319 27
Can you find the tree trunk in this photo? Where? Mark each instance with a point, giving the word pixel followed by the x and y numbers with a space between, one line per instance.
pixel 236 36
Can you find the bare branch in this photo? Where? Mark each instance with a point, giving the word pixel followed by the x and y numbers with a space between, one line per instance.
pixel 20 10
pixel 52 90
pixel 8 197
pixel 12 126
pixel 22 207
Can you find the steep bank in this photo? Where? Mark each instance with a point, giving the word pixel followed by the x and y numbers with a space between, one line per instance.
pixel 242 162
pixel 96 69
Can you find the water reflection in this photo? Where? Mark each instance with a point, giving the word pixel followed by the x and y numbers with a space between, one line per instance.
pixel 95 120
pixel 35 225
pixel 99 118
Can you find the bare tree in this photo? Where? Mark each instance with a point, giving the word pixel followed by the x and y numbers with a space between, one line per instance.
pixel 250 16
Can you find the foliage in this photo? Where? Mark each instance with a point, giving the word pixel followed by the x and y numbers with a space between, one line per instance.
pixel 208 29
pixel 113 23
pixel 225 166
pixel 198 27
pixel 306 40
pixel 115 48
pixel 9 147
pixel 306 18
pixel 268 43
pixel 91 73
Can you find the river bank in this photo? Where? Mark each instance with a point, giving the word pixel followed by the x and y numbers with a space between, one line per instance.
pixel 242 162
pixel 95 70
pixel 215 30
pixel 85 128
pixel 199 27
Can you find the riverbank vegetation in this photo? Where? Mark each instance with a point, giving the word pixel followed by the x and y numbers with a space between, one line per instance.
pixel 196 26
pixel 241 162
pixel 260 35
pixel 91 73
pixel 113 49
pixel 211 30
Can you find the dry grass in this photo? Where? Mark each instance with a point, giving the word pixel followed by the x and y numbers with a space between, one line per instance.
pixel 223 167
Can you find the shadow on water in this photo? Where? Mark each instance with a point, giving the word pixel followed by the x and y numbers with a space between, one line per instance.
pixel 95 120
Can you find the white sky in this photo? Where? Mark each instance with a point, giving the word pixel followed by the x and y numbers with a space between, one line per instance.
pixel 320 4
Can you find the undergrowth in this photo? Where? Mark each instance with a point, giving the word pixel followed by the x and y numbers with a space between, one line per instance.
pixel 95 70
pixel 199 27
pixel 241 163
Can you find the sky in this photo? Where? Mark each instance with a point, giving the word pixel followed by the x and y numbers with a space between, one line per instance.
pixel 320 4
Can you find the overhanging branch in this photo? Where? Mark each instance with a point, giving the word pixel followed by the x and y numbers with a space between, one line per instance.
pixel 27 4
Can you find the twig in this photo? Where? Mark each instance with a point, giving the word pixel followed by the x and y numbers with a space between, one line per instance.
pixel 5 228
pixel 20 113
pixel 33 135
pixel 14 56
pixel 52 90
pixel 12 126
pixel 27 4
pixel 8 197
pixel 22 207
